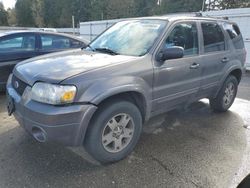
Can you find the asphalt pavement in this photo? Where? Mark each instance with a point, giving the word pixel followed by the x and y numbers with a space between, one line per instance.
pixel 183 148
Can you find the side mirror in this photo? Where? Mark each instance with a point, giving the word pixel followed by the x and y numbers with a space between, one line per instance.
pixel 174 52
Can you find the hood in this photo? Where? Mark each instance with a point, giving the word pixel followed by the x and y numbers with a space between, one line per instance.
pixel 54 68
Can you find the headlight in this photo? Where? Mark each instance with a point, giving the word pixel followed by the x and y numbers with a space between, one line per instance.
pixel 53 94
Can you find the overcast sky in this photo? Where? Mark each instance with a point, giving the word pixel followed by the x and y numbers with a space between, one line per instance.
pixel 8 3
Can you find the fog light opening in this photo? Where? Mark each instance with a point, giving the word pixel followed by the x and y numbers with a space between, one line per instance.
pixel 38 134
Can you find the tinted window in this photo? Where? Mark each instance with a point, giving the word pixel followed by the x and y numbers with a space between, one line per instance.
pixel 234 33
pixel 54 42
pixel 59 42
pixel 18 43
pixel 213 37
pixel 76 44
pixel 184 35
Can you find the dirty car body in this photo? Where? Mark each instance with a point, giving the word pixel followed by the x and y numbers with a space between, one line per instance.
pixel 167 70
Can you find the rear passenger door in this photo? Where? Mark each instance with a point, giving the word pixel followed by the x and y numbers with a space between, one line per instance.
pixel 215 56
pixel 54 43
pixel 236 43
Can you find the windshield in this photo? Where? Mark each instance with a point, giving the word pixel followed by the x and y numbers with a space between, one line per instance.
pixel 133 38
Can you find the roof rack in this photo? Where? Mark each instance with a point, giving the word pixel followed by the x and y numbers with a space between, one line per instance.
pixel 217 17
pixel 195 14
pixel 199 14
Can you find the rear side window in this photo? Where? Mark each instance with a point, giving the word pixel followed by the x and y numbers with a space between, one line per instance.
pixel 18 44
pixel 53 42
pixel 234 34
pixel 213 37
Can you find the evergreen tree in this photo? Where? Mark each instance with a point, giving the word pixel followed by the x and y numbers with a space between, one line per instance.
pixel 3 15
pixel 58 13
pixel 24 14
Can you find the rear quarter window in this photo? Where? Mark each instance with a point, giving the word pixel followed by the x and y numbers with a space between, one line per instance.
pixel 234 34
pixel 76 44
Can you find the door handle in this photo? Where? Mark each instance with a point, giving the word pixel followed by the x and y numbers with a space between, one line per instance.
pixel 225 60
pixel 195 66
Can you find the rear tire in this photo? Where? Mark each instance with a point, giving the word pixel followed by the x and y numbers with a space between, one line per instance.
pixel 226 95
pixel 114 131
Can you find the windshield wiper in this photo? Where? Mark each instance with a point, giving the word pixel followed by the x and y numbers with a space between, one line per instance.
pixel 89 47
pixel 107 50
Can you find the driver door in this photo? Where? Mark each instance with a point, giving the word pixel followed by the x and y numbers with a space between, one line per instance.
pixel 177 81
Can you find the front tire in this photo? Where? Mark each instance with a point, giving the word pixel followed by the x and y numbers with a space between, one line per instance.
pixel 114 131
pixel 226 95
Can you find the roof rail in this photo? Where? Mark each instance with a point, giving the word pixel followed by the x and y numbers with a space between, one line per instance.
pixel 196 14
pixel 217 17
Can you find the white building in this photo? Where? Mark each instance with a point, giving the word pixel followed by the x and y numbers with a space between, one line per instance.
pixel 89 30
pixel 241 16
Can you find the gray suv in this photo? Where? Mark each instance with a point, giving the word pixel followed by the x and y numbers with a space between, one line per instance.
pixel 101 96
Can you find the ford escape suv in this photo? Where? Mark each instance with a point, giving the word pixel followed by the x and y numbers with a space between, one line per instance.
pixel 100 97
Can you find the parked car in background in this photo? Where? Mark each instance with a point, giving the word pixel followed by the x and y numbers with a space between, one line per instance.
pixel 17 46
pixel 101 96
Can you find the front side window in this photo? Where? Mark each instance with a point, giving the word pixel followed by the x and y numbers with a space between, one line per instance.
pixel 18 43
pixel 133 38
pixel 213 37
pixel 234 34
pixel 184 35
pixel 52 42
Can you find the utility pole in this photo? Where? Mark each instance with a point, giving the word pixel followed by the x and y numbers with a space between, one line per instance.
pixel 102 16
pixel 203 5
pixel 73 24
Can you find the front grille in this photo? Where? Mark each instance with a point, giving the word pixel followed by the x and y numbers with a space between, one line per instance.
pixel 18 85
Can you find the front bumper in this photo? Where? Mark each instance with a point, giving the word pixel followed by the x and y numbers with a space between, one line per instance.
pixel 66 125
